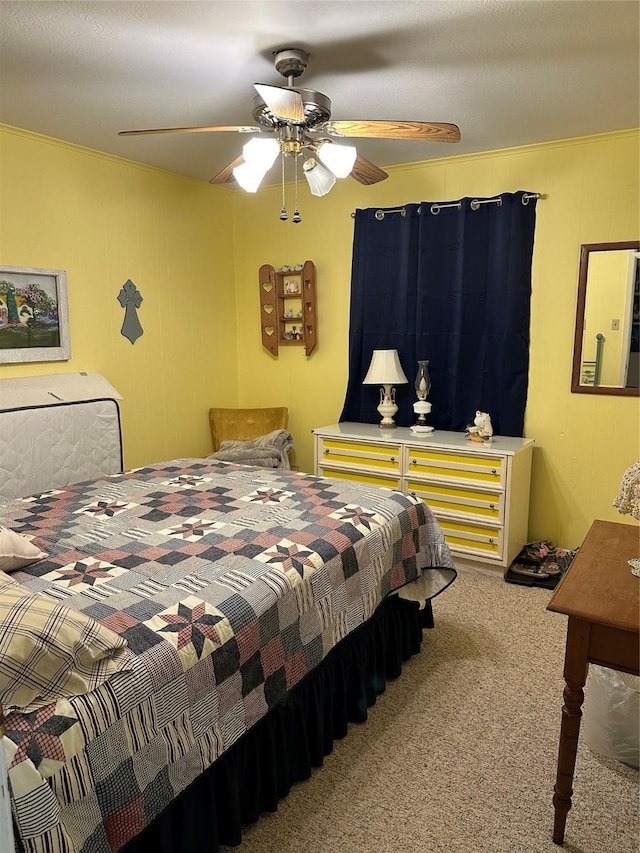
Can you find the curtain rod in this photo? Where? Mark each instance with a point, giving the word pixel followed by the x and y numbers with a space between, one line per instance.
pixel 436 207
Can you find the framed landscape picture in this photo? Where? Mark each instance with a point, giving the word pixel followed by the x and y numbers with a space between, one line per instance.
pixel 34 318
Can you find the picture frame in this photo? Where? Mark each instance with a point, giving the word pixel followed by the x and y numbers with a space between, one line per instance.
pixel 34 315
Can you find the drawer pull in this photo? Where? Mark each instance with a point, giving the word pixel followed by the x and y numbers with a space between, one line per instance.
pixel 491 541
pixel 392 459
pixel 494 471
pixel 414 462
pixel 326 450
pixel 413 495
pixel 492 506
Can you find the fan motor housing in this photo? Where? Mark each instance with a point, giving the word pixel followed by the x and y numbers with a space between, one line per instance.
pixel 317 109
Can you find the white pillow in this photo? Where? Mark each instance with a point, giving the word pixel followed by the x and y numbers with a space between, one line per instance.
pixel 17 551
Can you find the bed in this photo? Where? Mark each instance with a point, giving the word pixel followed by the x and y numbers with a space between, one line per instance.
pixel 262 610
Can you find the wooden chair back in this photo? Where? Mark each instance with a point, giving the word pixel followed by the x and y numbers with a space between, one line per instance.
pixel 245 424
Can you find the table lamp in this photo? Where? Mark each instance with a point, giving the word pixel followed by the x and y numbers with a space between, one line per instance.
pixel 385 370
pixel 422 407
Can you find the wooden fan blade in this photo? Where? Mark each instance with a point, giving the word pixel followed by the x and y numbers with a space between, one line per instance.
pixel 427 130
pixel 208 129
pixel 285 104
pixel 225 176
pixel 367 172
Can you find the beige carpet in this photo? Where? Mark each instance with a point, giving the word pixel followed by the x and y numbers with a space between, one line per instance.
pixel 459 754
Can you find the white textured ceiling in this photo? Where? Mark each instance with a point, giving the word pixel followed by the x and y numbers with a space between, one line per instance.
pixel 507 73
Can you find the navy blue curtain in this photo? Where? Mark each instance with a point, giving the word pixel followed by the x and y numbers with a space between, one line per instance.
pixel 451 284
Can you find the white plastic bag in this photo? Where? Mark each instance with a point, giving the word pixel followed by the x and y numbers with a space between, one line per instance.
pixel 612 714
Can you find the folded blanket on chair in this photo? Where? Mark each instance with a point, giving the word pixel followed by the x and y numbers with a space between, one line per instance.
pixel 266 451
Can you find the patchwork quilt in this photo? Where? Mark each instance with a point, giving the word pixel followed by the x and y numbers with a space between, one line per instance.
pixel 229 584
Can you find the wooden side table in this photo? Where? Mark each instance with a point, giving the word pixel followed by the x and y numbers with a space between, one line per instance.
pixel 599 594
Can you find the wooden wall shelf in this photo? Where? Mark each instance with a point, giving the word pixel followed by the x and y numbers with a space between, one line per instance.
pixel 288 315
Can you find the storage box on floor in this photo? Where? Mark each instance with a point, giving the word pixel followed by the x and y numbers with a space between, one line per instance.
pixel 612 714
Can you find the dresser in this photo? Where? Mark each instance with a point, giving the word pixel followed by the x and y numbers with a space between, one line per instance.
pixel 478 491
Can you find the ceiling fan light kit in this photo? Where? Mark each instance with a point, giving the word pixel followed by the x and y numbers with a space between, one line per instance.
pixel 258 155
pixel 298 121
pixel 320 179
pixel 249 176
pixel 339 158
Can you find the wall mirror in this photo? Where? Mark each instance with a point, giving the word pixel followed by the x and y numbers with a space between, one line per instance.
pixel 606 348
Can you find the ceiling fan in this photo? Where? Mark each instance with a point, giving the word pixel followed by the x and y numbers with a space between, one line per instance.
pixel 294 122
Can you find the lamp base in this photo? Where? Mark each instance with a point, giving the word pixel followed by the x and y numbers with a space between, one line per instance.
pixel 421 408
pixel 421 429
pixel 387 407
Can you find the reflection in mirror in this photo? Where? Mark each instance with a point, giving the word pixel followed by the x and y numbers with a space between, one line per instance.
pixel 607 341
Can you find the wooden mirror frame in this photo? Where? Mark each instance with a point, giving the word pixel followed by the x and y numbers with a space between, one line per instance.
pixel 576 387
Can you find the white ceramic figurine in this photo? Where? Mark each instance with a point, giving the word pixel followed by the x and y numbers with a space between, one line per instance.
pixel 481 429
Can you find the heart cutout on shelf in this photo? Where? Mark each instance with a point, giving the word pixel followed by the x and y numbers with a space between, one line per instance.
pixel 267 309
pixel 268 287
pixel 269 330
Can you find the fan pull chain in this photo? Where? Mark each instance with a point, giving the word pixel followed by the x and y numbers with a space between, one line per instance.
pixel 296 213
pixel 283 213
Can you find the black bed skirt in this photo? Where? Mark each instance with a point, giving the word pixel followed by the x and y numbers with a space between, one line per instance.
pixel 292 739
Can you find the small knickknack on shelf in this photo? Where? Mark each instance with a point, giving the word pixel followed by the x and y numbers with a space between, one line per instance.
pixel 288 307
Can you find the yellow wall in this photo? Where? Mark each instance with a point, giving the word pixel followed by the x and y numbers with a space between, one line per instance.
pixel 583 442
pixel 194 251
pixel 105 220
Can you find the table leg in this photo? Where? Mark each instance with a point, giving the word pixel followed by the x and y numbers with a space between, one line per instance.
pixel 575 675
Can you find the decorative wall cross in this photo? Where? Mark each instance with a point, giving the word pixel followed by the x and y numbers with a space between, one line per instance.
pixel 131 299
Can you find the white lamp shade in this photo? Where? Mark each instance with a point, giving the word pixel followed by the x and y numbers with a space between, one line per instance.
pixel 339 158
pixel 385 369
pixel 259 156
pixel 249 176
pixel 262 152
pixel 320 180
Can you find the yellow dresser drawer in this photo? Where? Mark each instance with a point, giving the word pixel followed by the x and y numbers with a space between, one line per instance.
pixel 366 455
pixel 471 538
pixel 458 466
pixel 370 479
pixel 479 503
